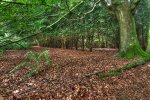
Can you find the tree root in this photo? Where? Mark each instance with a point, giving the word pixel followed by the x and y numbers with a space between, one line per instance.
pixel 118 71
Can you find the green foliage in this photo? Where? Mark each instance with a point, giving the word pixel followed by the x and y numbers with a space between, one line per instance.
pixel 143 16
pixel 17 46
pixel 8 38
pixel 23 18
pixel 37 62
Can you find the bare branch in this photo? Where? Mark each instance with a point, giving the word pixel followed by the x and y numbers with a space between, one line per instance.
pixel 84 14
pixel 92 8
pixel 134 4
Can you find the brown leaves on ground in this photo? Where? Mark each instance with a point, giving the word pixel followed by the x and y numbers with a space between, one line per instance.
pixel 64 80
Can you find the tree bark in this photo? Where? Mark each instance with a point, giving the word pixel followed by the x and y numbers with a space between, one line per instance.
pixel 148 39
pixel 76 40
pixel 90 41
pixel 148 42
pixel 129 44
pixel 83 46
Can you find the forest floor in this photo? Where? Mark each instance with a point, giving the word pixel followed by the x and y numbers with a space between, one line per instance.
pixel 64 80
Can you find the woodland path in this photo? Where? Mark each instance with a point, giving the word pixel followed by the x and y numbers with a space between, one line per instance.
pixel 63 81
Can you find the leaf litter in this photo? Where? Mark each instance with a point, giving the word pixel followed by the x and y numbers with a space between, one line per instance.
pixel 65 80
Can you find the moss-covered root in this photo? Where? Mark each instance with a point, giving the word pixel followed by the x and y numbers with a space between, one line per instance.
pixel 132 52
pixel 120 70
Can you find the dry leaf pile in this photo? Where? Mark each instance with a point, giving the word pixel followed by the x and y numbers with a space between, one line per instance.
pixel 64 79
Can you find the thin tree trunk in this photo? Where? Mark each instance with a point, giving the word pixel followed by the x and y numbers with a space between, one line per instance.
pixel 90 41
pixel 76 40
pixel 83 46
pixel 99 40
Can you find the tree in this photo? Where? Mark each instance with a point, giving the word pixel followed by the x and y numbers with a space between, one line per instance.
pixel 148 38
pixel 57 10
pixel 124 11
pixel 142 22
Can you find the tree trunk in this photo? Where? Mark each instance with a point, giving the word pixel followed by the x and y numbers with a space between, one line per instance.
pixel 140 35
pixel 83 43
pixel 76 40
pixel 99 40
pixel 148 38
pixel 63 38
pixel 90 41
pixel 148 41
pixel 129 44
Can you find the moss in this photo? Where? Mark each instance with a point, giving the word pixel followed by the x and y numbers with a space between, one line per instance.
pixel 110 73
pixel 148 41
pixel 114 72
pixel 129 66
pixel 126 67
pixel 102 75
pixel 132 52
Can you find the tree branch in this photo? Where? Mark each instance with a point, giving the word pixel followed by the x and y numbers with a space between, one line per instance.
pixel 46 27
pixel 15 3
pixel 84 14
pixel 92 8
pixel 134 4
pixel 21 3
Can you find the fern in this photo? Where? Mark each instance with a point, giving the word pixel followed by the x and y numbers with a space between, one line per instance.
pixel 46 56
pixel 36 62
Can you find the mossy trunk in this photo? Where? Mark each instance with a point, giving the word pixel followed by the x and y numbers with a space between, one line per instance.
pixel 148 38
pixel 148 42
pixel 129 44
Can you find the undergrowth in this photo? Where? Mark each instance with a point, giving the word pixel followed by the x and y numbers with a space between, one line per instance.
pixel 37 62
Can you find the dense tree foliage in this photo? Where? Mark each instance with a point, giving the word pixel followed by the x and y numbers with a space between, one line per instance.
pixel 74 23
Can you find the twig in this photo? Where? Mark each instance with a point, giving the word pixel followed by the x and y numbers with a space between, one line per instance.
pixel 84 14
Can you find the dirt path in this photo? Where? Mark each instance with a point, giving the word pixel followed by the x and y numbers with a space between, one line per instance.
pixel 64 82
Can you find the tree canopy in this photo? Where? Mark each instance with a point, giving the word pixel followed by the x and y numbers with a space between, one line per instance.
pixel 23 19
